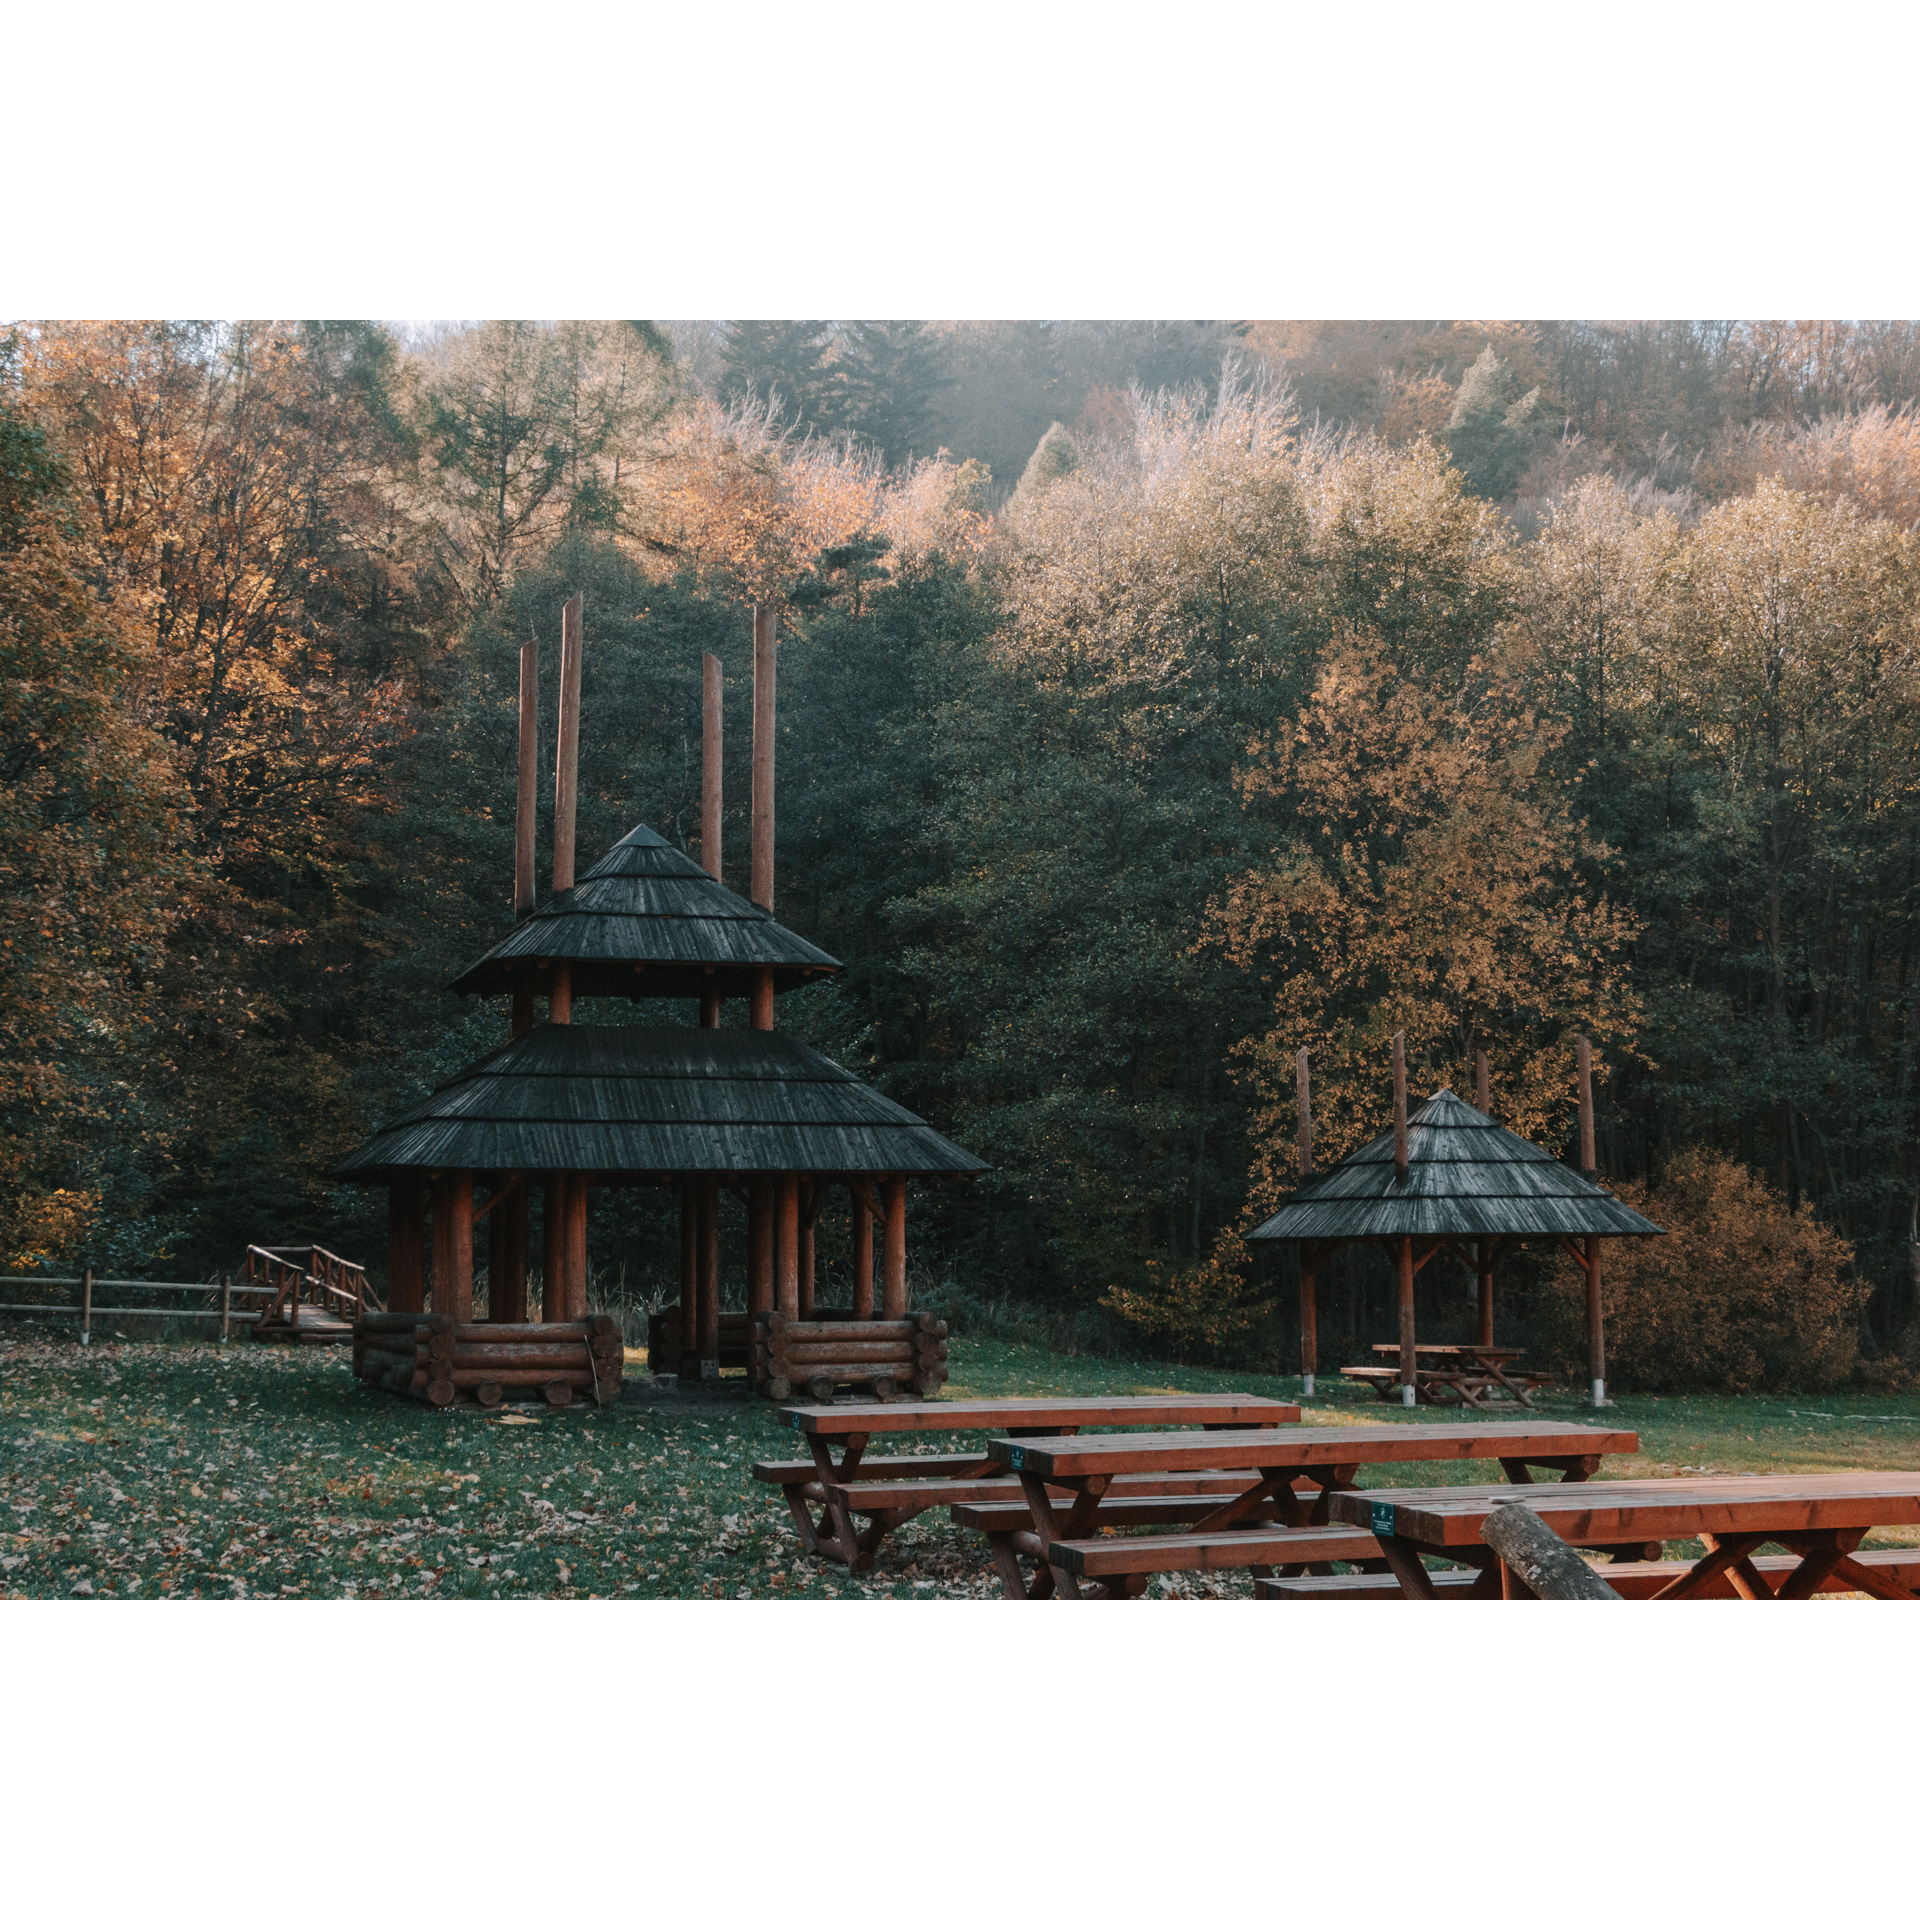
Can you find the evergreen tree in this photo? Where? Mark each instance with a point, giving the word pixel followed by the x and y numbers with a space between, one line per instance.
pixel 1491 433
pixel 893 371
pixel 1053 459
pixel 783 361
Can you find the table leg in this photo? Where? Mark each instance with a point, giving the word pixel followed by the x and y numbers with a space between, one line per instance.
pixel 1047 1578
pixel 1403 1561
pixel 1720 1555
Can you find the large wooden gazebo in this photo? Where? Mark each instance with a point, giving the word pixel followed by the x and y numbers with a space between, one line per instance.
pixel 1448 1178
pixel 564 1107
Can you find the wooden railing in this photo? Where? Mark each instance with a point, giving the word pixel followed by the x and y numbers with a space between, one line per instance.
pixel 305 1274
pixel 87 1293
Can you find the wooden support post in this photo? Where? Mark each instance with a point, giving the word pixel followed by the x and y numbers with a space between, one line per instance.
pixel 566 764
pixel 507 1292
pixel 1403 1267
pixel 809 1205
pixel 453 1245
pixel 406 1244
pixel 1482 1081
pixel 1596 1326
pixel 1583 1055
pixel 553 1238
pixel 762 1014
pixel 525 803
pixel 862 1192
pixel 560 993
pixel 786 1245
pixel 710 1003
pixel 1400 1106
pixel 1309 1327
pixel 760 1237
pixel 226 1301
pixel 764 627
pixel 687 1361
pixel 710 749
pixel 893 1273
pixel 576 1246
pixel 496 1249
pixel 1483 1269
pixel 86 1307
pixel 1303 1113
pixel 709 1334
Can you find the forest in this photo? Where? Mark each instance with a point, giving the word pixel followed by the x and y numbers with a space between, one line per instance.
pixel 1156 700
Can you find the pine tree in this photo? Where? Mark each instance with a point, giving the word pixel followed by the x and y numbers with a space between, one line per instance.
pixel 783 362
pixel 893 371
pixel 1053 459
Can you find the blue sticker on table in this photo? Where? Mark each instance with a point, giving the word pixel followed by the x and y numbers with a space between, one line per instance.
pixel 1016 1458
pixel 1382 1520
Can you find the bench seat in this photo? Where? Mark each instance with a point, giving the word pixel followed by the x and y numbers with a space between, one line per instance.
pixel 878 1466
pixel 1210 1552
pixel 879 1496
pixel 1631 1579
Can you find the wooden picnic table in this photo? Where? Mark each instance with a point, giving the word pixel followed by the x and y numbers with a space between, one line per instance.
pixel 1232 1533
pixel 890 1489
pixel 1821 1516
pixel 1468 1373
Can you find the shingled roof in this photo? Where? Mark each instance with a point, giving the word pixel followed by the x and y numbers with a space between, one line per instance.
pixel 1466 1176
pixel 649 921
pixel 656 1100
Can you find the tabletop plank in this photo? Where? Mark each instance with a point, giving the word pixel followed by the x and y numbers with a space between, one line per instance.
pixel 969 1416
pixel 1606 1512
pixel 1357 1445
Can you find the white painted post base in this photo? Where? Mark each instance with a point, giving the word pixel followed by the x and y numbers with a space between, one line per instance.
pixel 1599 1393
pixel 1406 1396
pixel 1306 1386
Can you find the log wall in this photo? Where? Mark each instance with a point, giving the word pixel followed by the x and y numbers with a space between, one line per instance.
pixel 817 1357
pixel 438 1360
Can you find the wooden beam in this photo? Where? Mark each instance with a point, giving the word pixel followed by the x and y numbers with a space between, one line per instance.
pixel 499 1191
pixel 406 1244
pixel 525 803
pixel 560 993
pixel 553 1259
pixel 566 767
pixel 762 1002
pixel 1483 1258
pixel 765 625
pixel 1309 1327
pixel 810 1192
pixel 1596 1326
pixel 453 1246
pixel 760 1236
pixel 1583 1054
pixel 686 1362
pixel 1483 1081
pixel 576 1246
pixel 508 1293
pixel 1403 1263
pixel 710 747
pixel 709 1334
pixel 1303 1114
pixel 786 1254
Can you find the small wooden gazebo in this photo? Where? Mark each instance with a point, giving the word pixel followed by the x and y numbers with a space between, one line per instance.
pixel 562 1107
pixel 1450 1178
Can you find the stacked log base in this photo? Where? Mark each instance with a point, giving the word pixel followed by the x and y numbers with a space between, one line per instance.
pixel 668 1351
pixel 432 1358
pixel 818 1357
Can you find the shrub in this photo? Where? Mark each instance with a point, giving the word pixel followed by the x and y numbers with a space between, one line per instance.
pixel 1200 1311
pixel 1740 1294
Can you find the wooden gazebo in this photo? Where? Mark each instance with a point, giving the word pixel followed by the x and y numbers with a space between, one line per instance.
pixel 1450 1178
pixel 563 1107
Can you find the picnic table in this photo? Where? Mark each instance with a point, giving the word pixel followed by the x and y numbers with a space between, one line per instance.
pixel 1464 1375
pixel 1820 1516
pixel 890 1489
pixel 1261 1524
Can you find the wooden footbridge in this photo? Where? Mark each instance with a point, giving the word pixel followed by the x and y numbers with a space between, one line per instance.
pixel 316 1296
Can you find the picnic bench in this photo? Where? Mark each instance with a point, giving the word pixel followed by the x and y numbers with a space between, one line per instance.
pixel 1462 1375
pixel 887 1490
pixel 1820 1517
pixel 1265 1523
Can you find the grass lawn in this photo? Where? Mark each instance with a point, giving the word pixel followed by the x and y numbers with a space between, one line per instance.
pixel 146 1471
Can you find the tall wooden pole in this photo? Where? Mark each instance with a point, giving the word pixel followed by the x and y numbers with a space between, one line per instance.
pixel 709 1342
pixel 1483 1081
pixel 1400 1106
pixel 862 1191
pixel 1409 1356
pixel 1483 1270
pixel 893 1272
pixel 496 1252
pixel 407 1244
pixel 566 765
pixel 786 1246
pixel 1596 1325
pixel 576 1246
pixel 710 767
pixel 686 1361
pixel 525 803
pixel 1309 1283
pixel 764 627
